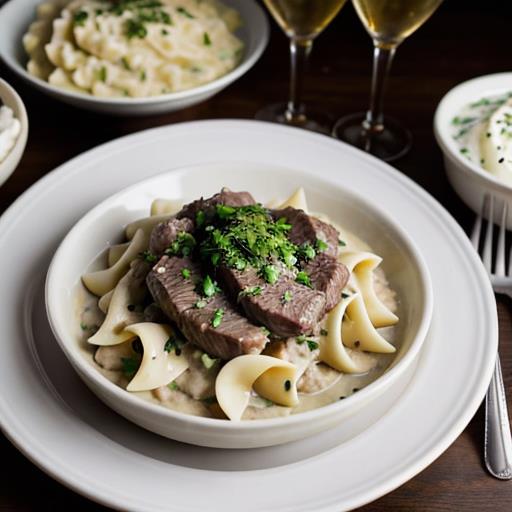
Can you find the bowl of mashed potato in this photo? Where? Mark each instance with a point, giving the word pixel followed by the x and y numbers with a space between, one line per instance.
pixel 473 128
pixel 13 130
pixel 130 57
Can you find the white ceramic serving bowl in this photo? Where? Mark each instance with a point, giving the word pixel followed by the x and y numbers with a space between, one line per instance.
pixel 469 180
pixel 10 98
pixel 103 225
pixel 16 16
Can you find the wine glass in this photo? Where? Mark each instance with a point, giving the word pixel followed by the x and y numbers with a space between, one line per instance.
pixel 388 22
pixel 302 21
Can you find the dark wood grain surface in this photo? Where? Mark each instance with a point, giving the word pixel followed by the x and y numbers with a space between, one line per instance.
pixel 458 43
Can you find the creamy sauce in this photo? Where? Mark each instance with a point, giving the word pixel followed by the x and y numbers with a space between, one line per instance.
pixel 483 133
pixel 192 393
pixel 10 128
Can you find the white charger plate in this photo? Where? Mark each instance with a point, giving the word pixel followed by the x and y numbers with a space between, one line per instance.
pixel 51 417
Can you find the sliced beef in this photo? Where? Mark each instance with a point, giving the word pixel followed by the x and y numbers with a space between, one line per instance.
pixel 177 297
pixel 307 229
pixel 282 317
pixel 328 275
pixel 225 196
pixel 166 232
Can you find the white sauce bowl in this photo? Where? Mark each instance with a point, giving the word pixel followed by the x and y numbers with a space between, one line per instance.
pixel 11 99
pixel 470 181
pixel 16 16
pixel 402 263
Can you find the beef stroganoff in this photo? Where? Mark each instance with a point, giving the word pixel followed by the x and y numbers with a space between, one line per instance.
pixel 132 48
pixel 226 308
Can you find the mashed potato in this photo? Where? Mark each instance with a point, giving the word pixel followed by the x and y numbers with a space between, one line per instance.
pixel 132 48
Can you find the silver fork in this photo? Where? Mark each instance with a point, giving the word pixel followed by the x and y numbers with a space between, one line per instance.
pixel 498 440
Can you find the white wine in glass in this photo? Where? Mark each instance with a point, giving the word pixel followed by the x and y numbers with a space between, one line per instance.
pixel 302 21
pixel 388 22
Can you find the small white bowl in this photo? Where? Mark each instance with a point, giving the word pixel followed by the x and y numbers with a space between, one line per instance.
pixel 16 16
pixel 469 180
pixel 11 99
pixel 402 263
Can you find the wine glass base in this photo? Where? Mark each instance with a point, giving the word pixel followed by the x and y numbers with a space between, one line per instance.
pixel 389 144
pixel 311 120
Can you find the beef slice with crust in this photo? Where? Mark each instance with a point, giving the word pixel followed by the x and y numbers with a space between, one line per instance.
pixel 166 232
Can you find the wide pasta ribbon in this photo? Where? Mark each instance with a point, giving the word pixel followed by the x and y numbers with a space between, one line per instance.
pixel 349 324
pixel 361 266
pixel 272 378
pixel 158 366
pixel 102 281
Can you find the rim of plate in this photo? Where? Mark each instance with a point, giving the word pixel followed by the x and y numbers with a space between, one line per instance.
pixel 30 446
pixel 247 63
pixel 51 303
pixel 489 85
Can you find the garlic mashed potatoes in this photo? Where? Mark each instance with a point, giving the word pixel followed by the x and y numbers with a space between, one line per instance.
pixel 132 48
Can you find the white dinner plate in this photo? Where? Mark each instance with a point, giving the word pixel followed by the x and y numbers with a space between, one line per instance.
pixel 51 417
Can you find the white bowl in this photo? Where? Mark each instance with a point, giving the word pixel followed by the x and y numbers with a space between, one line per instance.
pixel 403 264
pixel 16 16
pixel 10 98
pixel 469 180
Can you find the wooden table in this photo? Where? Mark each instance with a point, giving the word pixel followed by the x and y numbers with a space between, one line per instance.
pixel 456 44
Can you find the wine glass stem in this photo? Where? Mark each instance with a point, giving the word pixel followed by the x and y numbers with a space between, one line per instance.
pixel 382 59
pixel 299 53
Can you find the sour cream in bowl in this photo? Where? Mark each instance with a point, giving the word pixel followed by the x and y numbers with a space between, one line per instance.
pixel 13 130
pixel 473 127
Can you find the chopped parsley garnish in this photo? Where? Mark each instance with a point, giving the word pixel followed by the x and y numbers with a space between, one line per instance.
pixel 308 251
pixel 206 39
pixel 174 343
pixel 287 296
pixel 125 63
pixel 345 295
pixel 287 385
pixel 217 318
pixel 143 75
pixel 270 273
pixel 102 74
pixel 183 245
pixel 323 332
pixel 208 362
pixel 209 287
pixel 321 246
pixel 185 272
pixel 173 386
pixel 464 150
pixel 303 278
pixel 130 366
pixel 200 304
pixel 200 218
pixel 135 28
pixel 250 291
pixel 84 326
pixel 312 344
pixel 80 18
pixel 264 330
pixel 164 32
pixel 148 257
pixel 341 243
pixel 185 13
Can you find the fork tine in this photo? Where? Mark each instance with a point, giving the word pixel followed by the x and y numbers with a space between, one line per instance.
pixel 477 227
pixel 487 255
pixel 500 250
